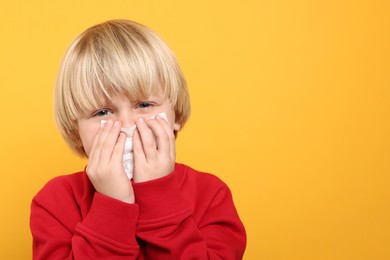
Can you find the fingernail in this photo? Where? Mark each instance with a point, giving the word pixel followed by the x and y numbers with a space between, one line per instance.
pixel 141 120
pixel 117 123
pixel 109 122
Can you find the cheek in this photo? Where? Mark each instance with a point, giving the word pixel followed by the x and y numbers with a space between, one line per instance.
pixel 171 120
pixel 87 136
pixel 87 143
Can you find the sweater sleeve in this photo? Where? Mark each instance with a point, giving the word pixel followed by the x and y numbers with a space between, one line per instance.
pixel 107 231
pixel 167 228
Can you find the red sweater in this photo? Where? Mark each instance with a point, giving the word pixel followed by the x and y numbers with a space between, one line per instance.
pixel 185 215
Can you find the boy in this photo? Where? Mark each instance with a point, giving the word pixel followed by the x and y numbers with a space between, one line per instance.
pixel 121 92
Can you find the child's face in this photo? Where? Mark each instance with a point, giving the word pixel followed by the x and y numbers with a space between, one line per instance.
pixel 121 108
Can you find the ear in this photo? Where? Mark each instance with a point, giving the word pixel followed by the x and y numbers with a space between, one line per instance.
pixel 176 126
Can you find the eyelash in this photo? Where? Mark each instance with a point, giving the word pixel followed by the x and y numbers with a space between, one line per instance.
pixel 106 111
pixel 144 105
pixel 102 112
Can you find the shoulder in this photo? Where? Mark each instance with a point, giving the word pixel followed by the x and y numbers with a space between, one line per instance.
pixel 201 176
pixel 207 193
pixel 202 182
pixel 63 201
pixel 74 186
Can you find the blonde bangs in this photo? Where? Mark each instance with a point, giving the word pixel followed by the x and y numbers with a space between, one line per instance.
pixel 116 58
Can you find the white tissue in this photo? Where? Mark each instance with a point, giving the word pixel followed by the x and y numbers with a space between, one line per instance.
pixel 127 159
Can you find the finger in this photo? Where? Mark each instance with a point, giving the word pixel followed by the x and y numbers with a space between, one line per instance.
pixel 94 143
pixel 117 154
pixel 171 135
pixel 161 136
pixel 166 126
pixel 147 139
pixel 138 150
pixel 110 141
pixel 91 162
pixel 100 138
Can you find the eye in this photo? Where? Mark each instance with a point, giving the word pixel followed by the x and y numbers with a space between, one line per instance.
pixel 144 105
pixel 102 112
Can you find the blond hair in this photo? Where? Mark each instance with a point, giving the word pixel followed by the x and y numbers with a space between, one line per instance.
pixel 111 58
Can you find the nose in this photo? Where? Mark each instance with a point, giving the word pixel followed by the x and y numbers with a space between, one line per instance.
pixel 128 119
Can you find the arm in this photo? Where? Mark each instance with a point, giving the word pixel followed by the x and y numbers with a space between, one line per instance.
pixel 61 232
pixel 171 228
pixel 167 226
pixel 63 227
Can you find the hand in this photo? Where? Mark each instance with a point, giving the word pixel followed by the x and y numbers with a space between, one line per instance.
pixel 105 169
pixel 154 149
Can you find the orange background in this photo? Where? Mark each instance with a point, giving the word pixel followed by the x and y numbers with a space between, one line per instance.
pixel 290 108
